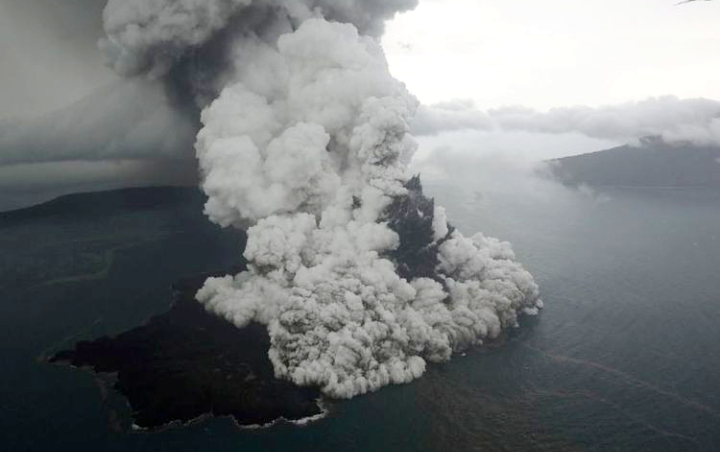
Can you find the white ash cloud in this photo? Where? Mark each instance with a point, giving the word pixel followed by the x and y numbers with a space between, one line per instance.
pixel 49 54
pixel 151 35
pixel 675 120
pixel 308 140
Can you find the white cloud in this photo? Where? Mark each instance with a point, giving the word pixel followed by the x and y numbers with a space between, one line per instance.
pixel 556 52
pixel 675 120
pixel 450 116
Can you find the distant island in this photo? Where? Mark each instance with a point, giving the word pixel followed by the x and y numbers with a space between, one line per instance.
pixel 652 164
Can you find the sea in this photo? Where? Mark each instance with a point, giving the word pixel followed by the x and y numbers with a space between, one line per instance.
pixel 624 357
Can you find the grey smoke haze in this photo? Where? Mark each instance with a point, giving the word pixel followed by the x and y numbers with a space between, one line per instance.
pixel 48 50
pixel 450 116
pixel 126 120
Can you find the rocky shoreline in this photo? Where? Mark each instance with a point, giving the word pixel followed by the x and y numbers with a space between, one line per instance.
pixel 188 364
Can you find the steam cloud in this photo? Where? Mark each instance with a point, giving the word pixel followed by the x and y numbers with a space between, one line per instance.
pixel 305 134
pixel 695 121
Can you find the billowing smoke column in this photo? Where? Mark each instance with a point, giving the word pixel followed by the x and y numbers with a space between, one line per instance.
pixel 356 274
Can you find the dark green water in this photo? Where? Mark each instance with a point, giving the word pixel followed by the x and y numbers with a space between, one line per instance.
pixel 625 357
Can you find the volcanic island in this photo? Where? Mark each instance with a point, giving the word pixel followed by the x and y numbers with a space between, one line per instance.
pixel 189 364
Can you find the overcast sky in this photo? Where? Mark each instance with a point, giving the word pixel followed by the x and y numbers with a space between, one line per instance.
pixel 466 60
pixel 554 53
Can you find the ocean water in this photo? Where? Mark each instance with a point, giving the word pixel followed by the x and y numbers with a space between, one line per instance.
pixel 625 357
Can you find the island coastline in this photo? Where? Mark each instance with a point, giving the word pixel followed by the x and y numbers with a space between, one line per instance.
pixel 241 384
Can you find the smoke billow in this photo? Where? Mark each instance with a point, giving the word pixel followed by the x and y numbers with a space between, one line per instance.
pixel 674 120
pixel 358 277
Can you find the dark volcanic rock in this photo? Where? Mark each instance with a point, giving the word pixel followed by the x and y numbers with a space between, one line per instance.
pixel 411 216
pixel 188 363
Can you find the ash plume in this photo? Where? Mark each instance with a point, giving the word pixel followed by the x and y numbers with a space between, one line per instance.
pixel 356 274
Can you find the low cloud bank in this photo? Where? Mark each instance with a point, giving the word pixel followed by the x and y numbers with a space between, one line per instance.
pixel 675 120
pixel 321 170
pixel 450 116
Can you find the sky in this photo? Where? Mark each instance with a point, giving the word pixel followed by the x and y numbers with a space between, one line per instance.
pixel 556 53
pixel 551 54
pixel 528 78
